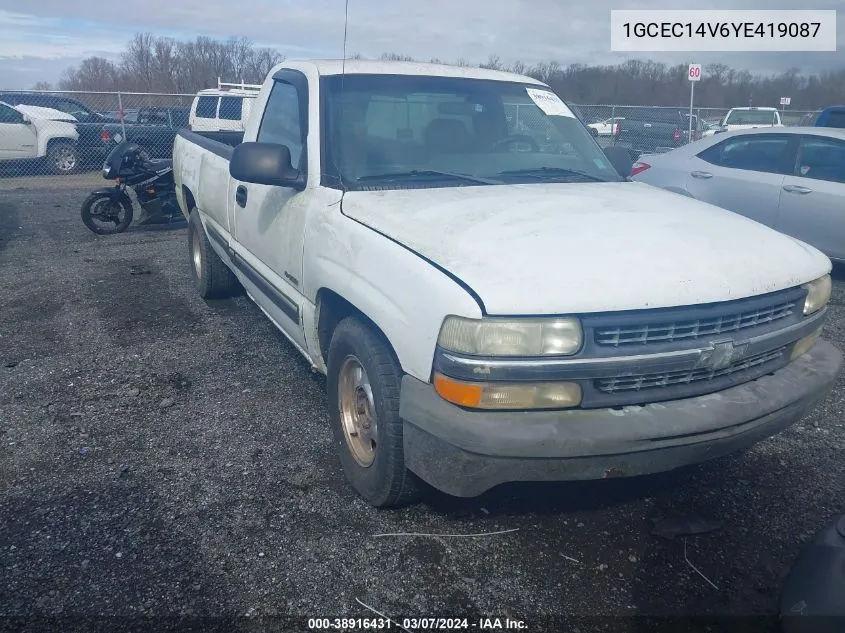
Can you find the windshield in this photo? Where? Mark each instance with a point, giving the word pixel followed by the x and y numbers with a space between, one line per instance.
pixel 750 117
pixel 400 131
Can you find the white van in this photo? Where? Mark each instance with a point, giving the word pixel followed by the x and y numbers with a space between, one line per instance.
pixel 226 107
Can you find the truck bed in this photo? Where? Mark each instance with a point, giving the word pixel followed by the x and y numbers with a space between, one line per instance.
pixel 221 143
pixel 201 167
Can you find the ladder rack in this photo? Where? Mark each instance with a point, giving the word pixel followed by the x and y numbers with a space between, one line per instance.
pixel 222 85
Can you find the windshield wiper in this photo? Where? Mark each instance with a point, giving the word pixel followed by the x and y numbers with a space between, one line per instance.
pixel 413 173
pixel 550 172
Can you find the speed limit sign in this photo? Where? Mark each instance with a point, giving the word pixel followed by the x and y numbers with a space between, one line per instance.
pixel 695 72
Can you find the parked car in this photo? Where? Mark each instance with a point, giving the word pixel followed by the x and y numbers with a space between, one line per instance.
pixel 153 132
pixel 652 129
pixel 750 118
pixel 605 127
pixel 486 314
pixel 225 108
pixel 791 179
pixel 831 117
pixel 89 147
pixel 33 133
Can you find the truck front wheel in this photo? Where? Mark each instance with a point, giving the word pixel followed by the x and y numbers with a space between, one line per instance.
pixel 363 387
pixel 212 278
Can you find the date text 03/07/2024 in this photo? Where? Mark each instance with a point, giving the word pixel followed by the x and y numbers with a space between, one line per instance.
pixel 416 624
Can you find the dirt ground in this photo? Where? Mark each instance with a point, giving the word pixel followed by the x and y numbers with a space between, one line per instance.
pixel 163 457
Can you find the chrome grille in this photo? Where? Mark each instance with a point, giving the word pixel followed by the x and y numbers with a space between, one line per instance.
pixel 668 379
pixel 691 329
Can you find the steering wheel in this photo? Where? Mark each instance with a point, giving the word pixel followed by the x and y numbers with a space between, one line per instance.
pixel 516 138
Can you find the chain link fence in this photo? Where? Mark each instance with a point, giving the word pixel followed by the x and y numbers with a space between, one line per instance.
pixel 73 132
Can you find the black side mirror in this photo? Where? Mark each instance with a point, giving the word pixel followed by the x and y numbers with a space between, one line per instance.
pixel 621 159
pixel 265 164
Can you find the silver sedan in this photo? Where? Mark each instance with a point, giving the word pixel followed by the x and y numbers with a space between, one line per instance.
pixel 791 179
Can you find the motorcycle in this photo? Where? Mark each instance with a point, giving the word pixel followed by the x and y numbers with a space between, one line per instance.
pixel 144 186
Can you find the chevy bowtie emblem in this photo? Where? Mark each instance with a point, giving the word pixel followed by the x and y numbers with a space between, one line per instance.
pixel 722 355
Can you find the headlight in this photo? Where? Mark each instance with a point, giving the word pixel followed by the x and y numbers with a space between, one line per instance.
pixel 511 337
pixel 818 294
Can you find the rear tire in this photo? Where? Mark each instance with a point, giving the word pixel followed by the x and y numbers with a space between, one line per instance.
pixel 91 208
pixel 62 158
pixel 212 278
pixel 363 387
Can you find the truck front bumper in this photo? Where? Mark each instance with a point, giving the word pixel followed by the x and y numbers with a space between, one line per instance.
pixel 464 453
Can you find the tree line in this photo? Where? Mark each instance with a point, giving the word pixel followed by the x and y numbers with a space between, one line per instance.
pixel 166 65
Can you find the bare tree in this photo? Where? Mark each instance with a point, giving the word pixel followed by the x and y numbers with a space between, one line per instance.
pixel 138 63
pixel 43 85
pixel 262 62
pixel 396 57
pixel 165 65
pixel 241 52
pixel 493 63
pixel 94 73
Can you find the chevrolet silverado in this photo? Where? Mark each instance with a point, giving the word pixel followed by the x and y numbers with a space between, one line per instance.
pixel 490 309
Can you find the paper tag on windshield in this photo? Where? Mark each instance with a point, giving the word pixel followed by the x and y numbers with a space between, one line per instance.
pixel 549 102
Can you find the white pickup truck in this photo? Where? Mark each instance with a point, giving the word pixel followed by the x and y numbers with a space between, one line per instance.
pixel 36 133
pixel 750 118
pixel 488 306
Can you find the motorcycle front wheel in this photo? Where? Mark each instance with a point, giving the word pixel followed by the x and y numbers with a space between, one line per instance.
pixel 105 215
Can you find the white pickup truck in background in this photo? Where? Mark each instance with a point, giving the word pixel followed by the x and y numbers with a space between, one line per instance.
pixel 489 304
pixel 36 133
pixel 750 118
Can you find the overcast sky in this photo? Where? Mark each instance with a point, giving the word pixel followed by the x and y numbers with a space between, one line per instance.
pixel 42 37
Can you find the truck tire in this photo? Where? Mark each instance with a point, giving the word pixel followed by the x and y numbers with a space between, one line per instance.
pixel 62 158
pixel 363 383
pixel 212 278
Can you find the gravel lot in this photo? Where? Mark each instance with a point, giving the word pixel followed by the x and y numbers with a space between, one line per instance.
pixel 165 457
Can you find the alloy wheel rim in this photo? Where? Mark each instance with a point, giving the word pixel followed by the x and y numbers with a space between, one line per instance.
pixel 65 160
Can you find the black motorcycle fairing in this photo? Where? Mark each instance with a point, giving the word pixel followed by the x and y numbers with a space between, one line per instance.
pixel 124 159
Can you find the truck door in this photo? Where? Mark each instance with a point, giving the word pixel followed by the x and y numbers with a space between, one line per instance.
pixel 269 221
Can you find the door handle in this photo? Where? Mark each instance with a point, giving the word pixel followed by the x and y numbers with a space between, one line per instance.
pixel 797 189
pixel 701 174
pixel 240 196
